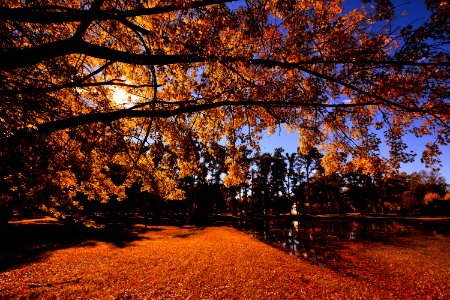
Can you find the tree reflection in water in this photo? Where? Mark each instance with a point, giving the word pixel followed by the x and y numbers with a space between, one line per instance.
pixel 320 241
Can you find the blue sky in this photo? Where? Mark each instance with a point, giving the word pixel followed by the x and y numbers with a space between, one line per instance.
pixel 290 143
pixel 416 15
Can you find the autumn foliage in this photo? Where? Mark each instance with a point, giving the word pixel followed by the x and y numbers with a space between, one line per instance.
pixel 98 95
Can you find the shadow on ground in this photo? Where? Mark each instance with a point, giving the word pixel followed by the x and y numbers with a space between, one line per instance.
pixel 30 240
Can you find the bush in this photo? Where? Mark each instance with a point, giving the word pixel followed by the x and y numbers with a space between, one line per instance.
pixel 429 197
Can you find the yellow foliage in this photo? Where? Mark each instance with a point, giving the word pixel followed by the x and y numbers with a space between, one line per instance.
pixel 429 197
pixel 204 74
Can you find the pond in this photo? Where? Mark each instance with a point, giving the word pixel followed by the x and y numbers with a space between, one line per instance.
pixel 320 241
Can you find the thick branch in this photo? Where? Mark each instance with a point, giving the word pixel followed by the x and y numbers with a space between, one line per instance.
pixel 36 15
pixel 84 25
pixel 12 58
pixel 16 58
pixel 105 117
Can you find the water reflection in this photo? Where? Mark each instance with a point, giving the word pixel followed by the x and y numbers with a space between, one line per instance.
pixel 318 241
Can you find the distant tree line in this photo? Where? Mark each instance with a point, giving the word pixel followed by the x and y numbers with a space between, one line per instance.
pixel 275 184
pixel 296 183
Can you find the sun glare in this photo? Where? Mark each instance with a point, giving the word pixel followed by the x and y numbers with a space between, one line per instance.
pixel 120 96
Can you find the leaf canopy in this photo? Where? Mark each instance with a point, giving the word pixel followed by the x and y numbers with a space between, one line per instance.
pixel 207 71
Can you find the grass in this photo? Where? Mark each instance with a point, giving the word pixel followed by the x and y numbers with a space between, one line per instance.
pixel 169 262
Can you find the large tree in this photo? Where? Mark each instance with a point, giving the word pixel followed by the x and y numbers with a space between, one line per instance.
pixel 83 77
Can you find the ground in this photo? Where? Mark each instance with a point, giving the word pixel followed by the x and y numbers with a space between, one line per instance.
pixel 171 262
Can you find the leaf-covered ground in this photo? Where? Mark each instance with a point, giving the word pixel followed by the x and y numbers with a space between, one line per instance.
pixel 169 262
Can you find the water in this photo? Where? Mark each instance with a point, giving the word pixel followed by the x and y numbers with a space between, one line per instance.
pixel 319 241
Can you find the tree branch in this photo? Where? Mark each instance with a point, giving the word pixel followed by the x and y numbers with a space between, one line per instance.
pixel 114 82
pixel 84 25
pixel 11 59
pixel 76 83
pixel 16 58
pixel 105 117
pixel 36 15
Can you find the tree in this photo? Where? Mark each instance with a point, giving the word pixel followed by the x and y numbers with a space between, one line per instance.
pixel 310 162
pixel 293 177
pixel 429 197
pixel 327 192
pixel 395 188
pixel 422 183
pixel 360 190
pixel 278 170
pixel 178 72
pixel 260 183
pixel 237 176
pixel 214 157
